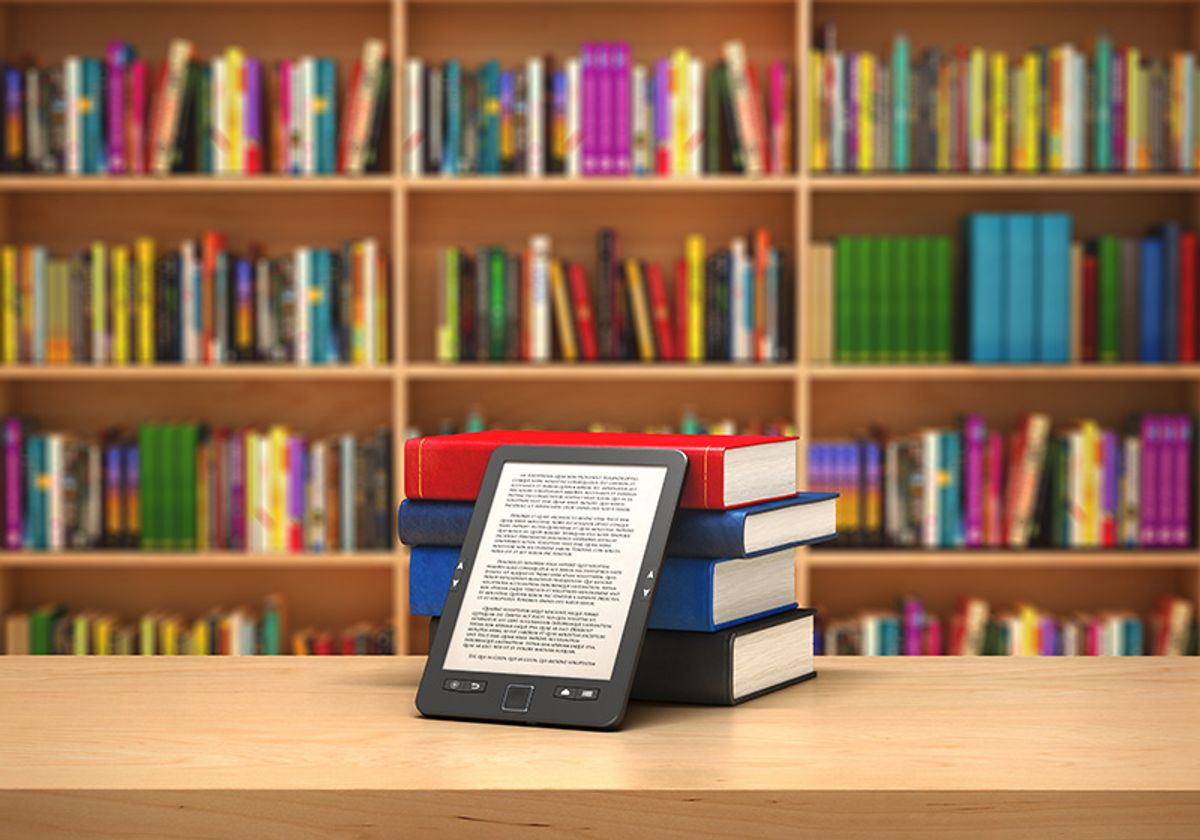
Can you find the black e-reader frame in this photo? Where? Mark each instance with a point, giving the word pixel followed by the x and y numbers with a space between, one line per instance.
pixel 539 699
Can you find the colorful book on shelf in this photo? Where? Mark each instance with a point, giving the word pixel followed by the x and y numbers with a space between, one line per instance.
pixel 724 471
pixel 695 594
pixel 739 532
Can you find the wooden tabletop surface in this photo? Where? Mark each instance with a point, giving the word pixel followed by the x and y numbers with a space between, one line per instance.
pixel 350 724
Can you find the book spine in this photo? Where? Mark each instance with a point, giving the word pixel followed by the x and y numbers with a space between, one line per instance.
pixel 14 499
pixel 641 127
pixel 535 145
pixel 621 71
pixel 663 94
pixel 117 57
pixel 575 129
pixel 695 117
pixel 976 437
pixel 171 93
pixel 589 116
pixel 253 134
pixel 696 296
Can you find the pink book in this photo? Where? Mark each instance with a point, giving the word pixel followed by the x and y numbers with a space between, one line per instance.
pixel 778 110
pixel 622 81
pixel 933 636
pixel 118 56
pixel 1182 474
pixel 137 117
pixel 913 620
pixel 14 448
pixel 975 435
pixel 605 112
pixel 1092 647
pixel 993 525
pixel 589 83
pixel 1118 110
pixel 284 147
pixel 1149 479
pixel 1166 481
pixel 237 490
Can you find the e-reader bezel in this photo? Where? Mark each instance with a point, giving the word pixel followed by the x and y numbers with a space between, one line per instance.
pixel 545 708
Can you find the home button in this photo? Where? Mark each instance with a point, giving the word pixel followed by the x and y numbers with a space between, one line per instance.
pixel 517 698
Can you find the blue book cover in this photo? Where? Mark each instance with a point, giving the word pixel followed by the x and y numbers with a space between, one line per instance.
pixel 1152 299
pixel 985 248
pixel 320 328
pixel 1169 313
pixel 694 533
pixel 889 636
pixel 489 147
pixel 32 490
pixel 1054 288
pixel 327 116
pixel 684 600
pixel 95 157
pixel 1021 304
pixel 901 125
pixel 1132 637
pixel 948 502
pixel 453 117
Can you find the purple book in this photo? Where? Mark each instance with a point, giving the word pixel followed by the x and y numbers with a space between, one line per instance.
pixel 14 446
pixel 914 623
pixel 133 490
pixel 1181 474
pixel 297 481
pixel 118 57
pixel 976 439
pixel 237 491
pixel 1109 453
pixel 605 111
pixel 852 65
pixel 1148 509
pixel 590 122
pixel 253 134
pixel 1047 636
pixel 114 492
pixel 662 118
pixel 622 82
pixel 1118 111
pixel 1166 481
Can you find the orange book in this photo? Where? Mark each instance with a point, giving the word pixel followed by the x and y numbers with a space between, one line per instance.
pixel 1055 129
pixel 660 310
pixel 211 244
pixel 640 309
pixel 585 324
pixel 762 250
pixel 349 114
pixel 333 499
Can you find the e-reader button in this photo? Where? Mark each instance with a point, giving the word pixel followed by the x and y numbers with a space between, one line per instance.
pixel 517 698
pixel 587 693
pixel 452 685
pixel 473 686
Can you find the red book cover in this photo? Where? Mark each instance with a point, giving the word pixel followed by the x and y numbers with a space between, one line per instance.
pixel 585 321
pixel 347 644
pixel 452 466
pixel 660 311
pixel 762 249
pixel 349 115
pixel 1088 316
pixel 681 310
pixel 757 118
pixel 1187 296
pixel 1016 458
pixel 322 645
pixel 210 245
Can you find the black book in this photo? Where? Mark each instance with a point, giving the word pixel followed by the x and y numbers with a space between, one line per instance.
pixel 483 305
pixel 432 114
pixel 604 293
pixel 184 154
pixel 512 308
pixel 376 158
pixel 716 318
pixel 785 346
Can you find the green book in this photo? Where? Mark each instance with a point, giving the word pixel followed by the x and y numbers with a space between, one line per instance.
pixel 203 119
pixel 863 321
pixel 168 482
pixel 885 302
pixel 148 486
pixel 922 281
pixel 943 299
pixel 186 455
pixel 905 352
pixel 450 318
pixel 843 297
pixel 496 310
pixel 1108 299
pixel 41 628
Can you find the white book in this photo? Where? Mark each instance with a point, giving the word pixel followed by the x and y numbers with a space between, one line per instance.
pixel 414 140
pixel 308 99
pixel 1187 133
pixel 747 112
pixel 574 138
pixel 1130 494
pixel 72 85
pixel 220 117
pixel 1075 500
pixel 317 487
pixel 347 481
pixel 539 299
pixel 33 110
pixel 179 55
pixel 364 104
pixel 263 504
pixel 1066 77
pixel 188 266
pixel 54 507
pixel 300 268
pixel 837 118
pixel 264 324
pixel 296 122
pixel 535 118
pixel 640 120
pixel 739 298
pixel 930 445
pixel 370 267
pixel 695 117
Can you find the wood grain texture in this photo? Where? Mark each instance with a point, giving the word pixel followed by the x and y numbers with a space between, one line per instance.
pixel 320 748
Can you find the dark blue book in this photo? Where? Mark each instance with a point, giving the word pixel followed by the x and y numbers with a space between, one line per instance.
pixel 693 593
pixel 741 532
pixel 1170 310
pixel 1152 300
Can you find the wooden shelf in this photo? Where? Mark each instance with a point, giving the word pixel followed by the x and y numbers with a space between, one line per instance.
pixel 118 559
pixel 195 373
pixel 1000 558
pixel 1000 373
pixel 557 183
pixel 194 183
pixel 900 182
pixel 433 371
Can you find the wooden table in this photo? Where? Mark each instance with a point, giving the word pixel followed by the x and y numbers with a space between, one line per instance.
pixel 332 747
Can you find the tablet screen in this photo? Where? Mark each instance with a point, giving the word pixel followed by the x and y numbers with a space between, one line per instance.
pixel 557 565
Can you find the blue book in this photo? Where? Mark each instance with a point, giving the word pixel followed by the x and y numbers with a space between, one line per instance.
pixel 33 514
pixel 489 96
pixel 949 509
pixel 741 532
pixel 1054 288
pixel 95 158
pixel 453 117
pixel 323 348
pixel 326 144
pixel 985 248
pixel 889 636
pixel 1169 312
pixel 1020 307
pixel 901 125
pixel 1131 636
pixel 1152 299
pixel 693 593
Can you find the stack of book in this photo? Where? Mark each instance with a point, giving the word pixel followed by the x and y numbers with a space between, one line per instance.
pixel 690 423
pixel 1080 486
pixel 729 573
pixel 241 631
pixel 1050 109
pixel 200 303
pixel 734 304
pixel 190 486
pixel 600 113
pixel 975 630
pixel 232 114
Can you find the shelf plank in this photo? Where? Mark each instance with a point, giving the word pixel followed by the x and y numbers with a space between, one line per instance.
pixel 597 371
pixel 1001 558
pixel 133 559
pixel 194 373
pixel 1003 183
pixel 999 373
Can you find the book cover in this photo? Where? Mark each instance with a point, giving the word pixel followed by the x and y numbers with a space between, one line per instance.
pixel 1020 303
pixel 1053 292
pixel 986 254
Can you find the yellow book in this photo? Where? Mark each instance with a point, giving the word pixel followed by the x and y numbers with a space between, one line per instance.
pixel 680 73
pixel 300 643
pixel 1029 631
pixel 975 130
pixel 1133 104
pixel 943 119
pixel 562 312
pixel 641 311
pixel 200 640
pixel 695 297
pixel 235 61
pixel 8 278
pixel 169 627
pixel 819 152
pixel 1031 119
pixel 99 303
pixel 1091 465
pixel 866 111
pixel 998 151
pixel 148 635
pixel 81 634
pixel 121 351
pixel 278 481
pixel 144 252
pixel 1144 117
pixel 103 631
pixel 254 523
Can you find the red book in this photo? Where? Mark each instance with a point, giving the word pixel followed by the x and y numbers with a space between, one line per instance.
pixel 681 310
pixel 211 244
pixel 660 311
pixel 724 471
pixel 349 115
pixel 1088 316
pixel 1187 296
pixel 322 645
pixel 585 321
pixel 348 644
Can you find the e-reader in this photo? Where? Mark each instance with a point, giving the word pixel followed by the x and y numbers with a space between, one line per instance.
pixel 548 604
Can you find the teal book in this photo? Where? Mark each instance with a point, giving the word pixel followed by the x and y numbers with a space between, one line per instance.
pixel 1054 288
pixel 453 117
pixel 37 536
pixel 949 507
pixel 1102 103
pixel 327 116
pixel 489 121
pixel 843 267
pixel 496 309
pixel 905 348
pixel 1108 299
pixel 1020 285
pixel 985 287
pixel 943 299
pixel 900 104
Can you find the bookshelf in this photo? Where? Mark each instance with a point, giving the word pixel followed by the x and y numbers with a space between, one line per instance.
pixel 414 217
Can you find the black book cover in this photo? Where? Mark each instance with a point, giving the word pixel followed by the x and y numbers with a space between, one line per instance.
pixel 512 308
pixel 171 301
pixel 785 346
pixel 603 294
pixel 482 304
pixel 377 158
pixel 183 157
pixel 732 149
